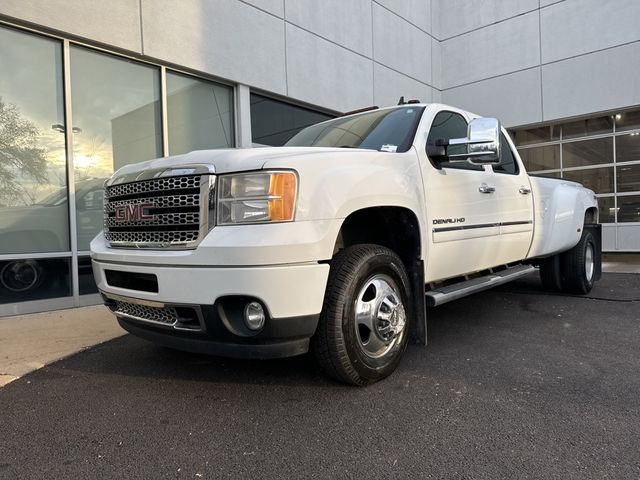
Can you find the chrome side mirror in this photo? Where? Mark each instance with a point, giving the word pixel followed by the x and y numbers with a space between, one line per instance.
pixel 482 142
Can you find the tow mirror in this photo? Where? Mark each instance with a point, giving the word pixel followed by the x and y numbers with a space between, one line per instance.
pixel 480 147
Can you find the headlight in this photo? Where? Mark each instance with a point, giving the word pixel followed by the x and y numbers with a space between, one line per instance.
pixel 257 197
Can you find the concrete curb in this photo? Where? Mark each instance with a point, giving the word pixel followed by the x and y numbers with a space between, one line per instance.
pixel 29 342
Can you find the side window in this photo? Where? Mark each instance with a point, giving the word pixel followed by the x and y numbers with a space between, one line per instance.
pixel 92 200
pixel 449 125
pixel 508 162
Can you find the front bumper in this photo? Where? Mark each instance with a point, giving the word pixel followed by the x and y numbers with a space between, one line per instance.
pixel 285 338
pixel 200 309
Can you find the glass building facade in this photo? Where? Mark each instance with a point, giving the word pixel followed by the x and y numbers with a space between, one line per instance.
pixel 602 153
pixel 274 122
pixel 70 116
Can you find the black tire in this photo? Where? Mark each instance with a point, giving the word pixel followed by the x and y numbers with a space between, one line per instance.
pixel 551 273
pixel 578 265
pixel 341 345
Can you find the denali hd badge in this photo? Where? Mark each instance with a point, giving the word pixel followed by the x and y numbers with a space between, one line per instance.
pixel 134 212
pixel 439 221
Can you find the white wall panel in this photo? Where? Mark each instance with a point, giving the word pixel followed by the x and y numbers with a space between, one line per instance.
pixel 436 63
pixel 346 23
pixel 401 46
pixel 390 85
pixel 575 27
pixel 513 98
pixel 116 22
pixel 629 237
pixel 275 7
pixel 224 37
pixel 417 12
pixel 591 83
pixel 323 73
pixel 495 50
pixel 609 238
pixel 460 16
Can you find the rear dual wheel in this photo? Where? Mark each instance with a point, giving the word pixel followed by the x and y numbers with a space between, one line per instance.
pixel 572 271
pixel 363 326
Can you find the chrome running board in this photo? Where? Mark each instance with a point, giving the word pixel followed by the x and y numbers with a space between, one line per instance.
pixel 446 294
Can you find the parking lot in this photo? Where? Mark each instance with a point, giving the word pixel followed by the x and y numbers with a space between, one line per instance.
pixel 514 383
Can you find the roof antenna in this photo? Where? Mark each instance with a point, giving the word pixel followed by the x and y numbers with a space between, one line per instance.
pixel 401 101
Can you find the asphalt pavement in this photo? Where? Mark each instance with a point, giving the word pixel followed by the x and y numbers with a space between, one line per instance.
pixel 515 383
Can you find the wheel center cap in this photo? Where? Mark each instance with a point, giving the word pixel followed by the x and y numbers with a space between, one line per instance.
pixel 390 319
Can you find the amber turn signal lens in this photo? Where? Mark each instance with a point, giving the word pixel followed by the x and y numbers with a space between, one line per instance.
pixel 282 196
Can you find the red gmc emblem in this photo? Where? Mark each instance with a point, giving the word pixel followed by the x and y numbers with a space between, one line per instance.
pixel 133 212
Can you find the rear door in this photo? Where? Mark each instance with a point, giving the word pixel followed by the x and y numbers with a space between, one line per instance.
pixel 515 204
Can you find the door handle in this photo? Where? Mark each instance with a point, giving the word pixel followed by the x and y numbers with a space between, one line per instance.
pixel 484 188
pixel 524 190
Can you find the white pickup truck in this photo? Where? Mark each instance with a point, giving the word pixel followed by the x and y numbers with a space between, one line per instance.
pixel 338 241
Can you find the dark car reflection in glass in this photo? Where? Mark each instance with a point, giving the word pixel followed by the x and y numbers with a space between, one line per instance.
pixel 30 227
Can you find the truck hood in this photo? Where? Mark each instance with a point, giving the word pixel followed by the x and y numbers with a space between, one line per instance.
pixel 30 217
pixel 232 159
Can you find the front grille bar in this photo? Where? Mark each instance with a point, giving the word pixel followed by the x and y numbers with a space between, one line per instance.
pixel 175 316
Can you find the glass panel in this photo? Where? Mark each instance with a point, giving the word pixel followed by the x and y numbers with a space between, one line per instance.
pixel 116 115
pixel 628 147
pixel 628 178
pixel 445 126
pixel 34 279
pixel 34 214
pixel 541 158
pixel 588 152
pixel 590 126
pixel 629 209
pixel 507 159
pixel 536 135
pixel 85 276
pixel 199 114
pixel 274 122
pixel 627 121
pixel 606 207
pixel 600 180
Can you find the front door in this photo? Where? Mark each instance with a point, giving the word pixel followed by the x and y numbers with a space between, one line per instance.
pixel 463 210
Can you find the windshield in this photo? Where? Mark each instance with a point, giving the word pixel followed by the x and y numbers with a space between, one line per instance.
pixel 384 130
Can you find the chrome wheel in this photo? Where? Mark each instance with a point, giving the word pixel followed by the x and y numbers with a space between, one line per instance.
pixel 380 316
pixel 589 263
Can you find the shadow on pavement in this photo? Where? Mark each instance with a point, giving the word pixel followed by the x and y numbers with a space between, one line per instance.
pixel 483 317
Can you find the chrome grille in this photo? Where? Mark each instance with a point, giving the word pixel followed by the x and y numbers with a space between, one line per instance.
pixel 165 315
pixel 157 185
pixel 168 212
pixel 153 239
pixel 179 317
pixel 160 219
pixel 164 201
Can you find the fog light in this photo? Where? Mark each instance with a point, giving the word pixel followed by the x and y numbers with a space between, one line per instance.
pixel 254 316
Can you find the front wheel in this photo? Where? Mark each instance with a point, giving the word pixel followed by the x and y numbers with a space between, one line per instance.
pixel 363 326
